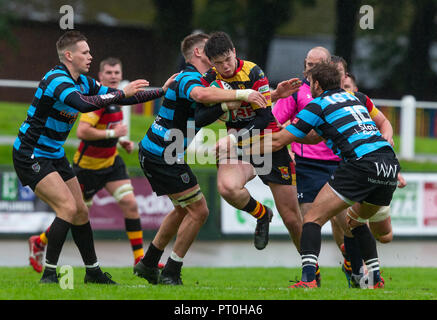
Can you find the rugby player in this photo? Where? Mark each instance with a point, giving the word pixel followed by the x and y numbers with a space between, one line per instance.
pixel 39 158
pixel 232 176
pixel 98 165
pixel 161 156
pixel 365 179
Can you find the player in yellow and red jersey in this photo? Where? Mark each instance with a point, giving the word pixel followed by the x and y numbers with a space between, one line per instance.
pixel 232 176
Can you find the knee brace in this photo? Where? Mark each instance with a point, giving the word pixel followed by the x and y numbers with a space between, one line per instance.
pixel 188 198
pixel 382 214
pixel 122 190
pixel 354 216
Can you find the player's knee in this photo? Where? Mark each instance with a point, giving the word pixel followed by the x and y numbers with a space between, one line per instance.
pixel 226 189
pixel 128 204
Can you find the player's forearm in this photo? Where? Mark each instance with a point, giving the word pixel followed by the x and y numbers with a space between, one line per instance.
pixel 92 134
pixel 91 103
pixel 143 96
pixel 205 115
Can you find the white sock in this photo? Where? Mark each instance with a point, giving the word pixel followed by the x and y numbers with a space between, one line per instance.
pixel 175 257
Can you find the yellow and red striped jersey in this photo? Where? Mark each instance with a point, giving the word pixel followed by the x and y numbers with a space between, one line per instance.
pixel 99 154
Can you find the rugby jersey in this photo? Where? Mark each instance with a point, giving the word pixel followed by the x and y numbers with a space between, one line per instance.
pixel 175 117
pixel 287 108
pixel 247 75
pixel 99 154
pixel 49 119
pixel 343 120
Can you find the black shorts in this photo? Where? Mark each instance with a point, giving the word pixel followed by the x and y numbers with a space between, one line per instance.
pixel 311 176
pixel 165 178
pixel 371 179
pixel 282 169
pixel 91 181
pixel 31 171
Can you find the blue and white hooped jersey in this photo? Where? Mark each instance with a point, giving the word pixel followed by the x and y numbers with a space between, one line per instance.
pixel 340 118
pixel 176 116
pixel 49 119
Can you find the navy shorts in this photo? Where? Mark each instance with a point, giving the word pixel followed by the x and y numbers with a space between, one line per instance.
pixel 165 178
pixel 91 181
pixel 311 176
pixel 30 171
pixel 371 178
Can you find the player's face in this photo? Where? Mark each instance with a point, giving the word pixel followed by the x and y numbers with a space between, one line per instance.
pixel 349 85
pixel 225 64
pixel 315 88
pixel 81 57
pixel 111 76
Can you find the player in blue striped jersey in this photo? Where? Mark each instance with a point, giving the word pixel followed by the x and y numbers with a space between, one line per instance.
pixel 365 179
pixel 39 158
pixel 161 155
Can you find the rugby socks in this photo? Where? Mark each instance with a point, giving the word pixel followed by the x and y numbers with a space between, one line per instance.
pixel 56 238
pixel 367 246
pixel 255 208
pixel 152 256
pixel 310 244
pixel 42 240
pixel 83 238
pixel 135 235
pixel 172 266
pixel 353 252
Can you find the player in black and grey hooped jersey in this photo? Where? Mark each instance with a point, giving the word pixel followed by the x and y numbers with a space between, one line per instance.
pixel 38 156
pixel 161 156
pixel 365 179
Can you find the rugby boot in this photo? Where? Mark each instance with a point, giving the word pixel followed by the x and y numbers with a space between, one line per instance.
pixel 98 277
pixel 168 278
pixel 148 273
pixel 262 230
pixel 49 277
pixel 304 285
pixel 36 254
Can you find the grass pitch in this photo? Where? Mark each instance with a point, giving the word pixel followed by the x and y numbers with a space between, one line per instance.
pixel 22 283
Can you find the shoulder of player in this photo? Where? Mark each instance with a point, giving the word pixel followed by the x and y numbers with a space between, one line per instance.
pixel 253 71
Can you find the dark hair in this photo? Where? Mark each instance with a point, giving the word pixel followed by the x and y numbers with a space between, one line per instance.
pixel 111 62
pixel 219 43
pixel 189 42
pixel 350 75
pixel 337 59
pixel 327 75
pixel 68 39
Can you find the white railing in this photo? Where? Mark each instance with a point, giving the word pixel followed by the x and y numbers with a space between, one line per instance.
pixel 408 105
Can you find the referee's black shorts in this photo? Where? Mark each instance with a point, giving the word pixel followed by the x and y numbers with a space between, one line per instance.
pixel 371 178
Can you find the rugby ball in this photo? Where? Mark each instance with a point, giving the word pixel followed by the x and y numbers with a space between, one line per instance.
pixel 224 85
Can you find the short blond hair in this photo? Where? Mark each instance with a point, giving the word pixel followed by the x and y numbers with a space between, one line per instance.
pixel 190 42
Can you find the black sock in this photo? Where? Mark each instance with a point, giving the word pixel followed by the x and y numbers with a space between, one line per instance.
pixel 310 244
pixel 352 249
pixel 367 245
pixel 172 267
pixel 56 239
pixel 152 256
pixel 83 238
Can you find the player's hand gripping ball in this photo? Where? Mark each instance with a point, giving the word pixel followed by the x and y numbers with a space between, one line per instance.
pixel 231 105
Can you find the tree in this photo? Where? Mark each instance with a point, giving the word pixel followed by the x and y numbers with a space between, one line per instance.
pixel 173 22
pixel 263 17
pixel 347 14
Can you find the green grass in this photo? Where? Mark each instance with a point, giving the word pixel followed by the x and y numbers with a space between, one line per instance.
pixel 13 114
pixel 220 284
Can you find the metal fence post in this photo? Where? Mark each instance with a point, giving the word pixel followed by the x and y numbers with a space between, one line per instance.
pixel 407 130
